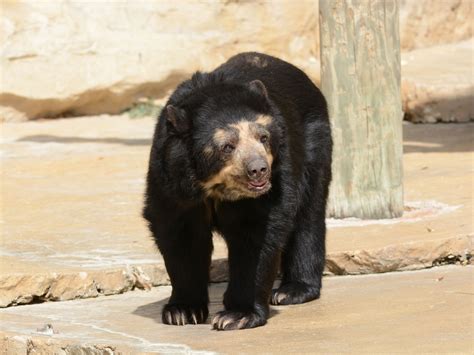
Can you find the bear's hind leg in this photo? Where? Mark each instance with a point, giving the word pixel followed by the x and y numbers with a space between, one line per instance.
pixel 252 270
pixel 303 261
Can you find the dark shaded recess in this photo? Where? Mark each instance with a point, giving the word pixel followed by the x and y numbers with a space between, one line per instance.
pixel 448 138
pixel 46 138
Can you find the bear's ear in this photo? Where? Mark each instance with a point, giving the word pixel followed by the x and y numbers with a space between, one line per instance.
pixel 258 87
pixel 178 118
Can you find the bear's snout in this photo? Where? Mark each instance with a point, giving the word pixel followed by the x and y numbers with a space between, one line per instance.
pixel 257 168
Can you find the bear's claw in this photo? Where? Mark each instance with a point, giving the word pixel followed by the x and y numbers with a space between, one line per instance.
pixel 293 293
pixel 179 314
pixel 231 320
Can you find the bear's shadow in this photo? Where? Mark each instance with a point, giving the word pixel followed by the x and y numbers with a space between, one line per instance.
pixel 216 292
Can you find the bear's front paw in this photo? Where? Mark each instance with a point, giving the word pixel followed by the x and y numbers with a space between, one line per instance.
pixel 181 314
pixel 294 293
pixel 231 320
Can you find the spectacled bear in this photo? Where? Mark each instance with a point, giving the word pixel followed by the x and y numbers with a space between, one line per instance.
pixel 244 150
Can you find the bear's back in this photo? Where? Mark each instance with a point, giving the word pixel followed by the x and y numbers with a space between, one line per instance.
pixel 289 87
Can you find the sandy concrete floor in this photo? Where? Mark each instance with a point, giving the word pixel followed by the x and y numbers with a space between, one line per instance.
pixel 72 195
pixel 427 311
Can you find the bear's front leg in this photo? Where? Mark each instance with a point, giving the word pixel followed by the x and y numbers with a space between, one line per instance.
pixel 186 245
pixel 188 268
pixel 187 263
pixel 252 269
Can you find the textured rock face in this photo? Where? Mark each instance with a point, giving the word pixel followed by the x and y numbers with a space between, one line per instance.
pixel 401 257
pixel 81 58
pixel 426 23
pixel 21 288
pixel 438 83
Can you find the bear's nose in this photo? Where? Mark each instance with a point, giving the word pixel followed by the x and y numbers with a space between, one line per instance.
pixel 257 168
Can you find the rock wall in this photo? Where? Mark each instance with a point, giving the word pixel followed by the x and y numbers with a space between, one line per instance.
pixel 438 83
pixel 426 23
pixel 88 58
pixel 82 58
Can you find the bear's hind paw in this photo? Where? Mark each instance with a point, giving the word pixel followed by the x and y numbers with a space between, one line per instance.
pixel 232 320
pixel 293 293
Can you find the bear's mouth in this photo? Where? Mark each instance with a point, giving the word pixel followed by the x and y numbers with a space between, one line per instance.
pixel 259 186
pixel 239 188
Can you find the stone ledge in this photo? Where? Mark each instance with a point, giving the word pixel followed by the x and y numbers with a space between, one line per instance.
pixel 16 344
pixel 402 257
pixel 19 289
pixel 11 343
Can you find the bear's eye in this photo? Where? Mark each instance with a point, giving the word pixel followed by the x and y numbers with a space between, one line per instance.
pixel 228 148
pixel 264 139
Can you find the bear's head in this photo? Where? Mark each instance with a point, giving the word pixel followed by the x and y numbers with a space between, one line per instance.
pixel 232 135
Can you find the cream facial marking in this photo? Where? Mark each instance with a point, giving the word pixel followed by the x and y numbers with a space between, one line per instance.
pixel 223 185
pixel 249 141
pixel 264 120
pixel 230 183
pixel 220 136
pixel 208 151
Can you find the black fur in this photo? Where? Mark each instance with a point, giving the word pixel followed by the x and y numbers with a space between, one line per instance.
pixel 282 228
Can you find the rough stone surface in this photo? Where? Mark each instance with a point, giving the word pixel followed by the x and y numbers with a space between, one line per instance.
pixel 120 52
pixel 74 188
pixel 438 83
pixel 431 22
pixel 16 289
pixel 427 311
pixel 20 289
pixel 73 58
pixel 400 257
